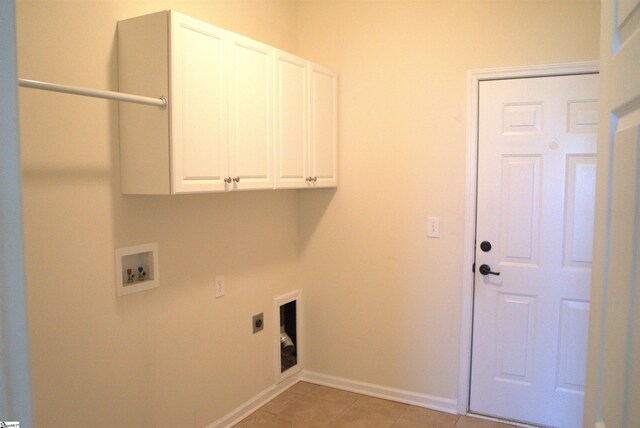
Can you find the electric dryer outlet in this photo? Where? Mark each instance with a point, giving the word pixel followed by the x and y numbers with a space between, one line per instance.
pixel 258 322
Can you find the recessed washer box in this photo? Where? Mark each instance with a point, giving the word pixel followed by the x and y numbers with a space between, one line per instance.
pixel 137 268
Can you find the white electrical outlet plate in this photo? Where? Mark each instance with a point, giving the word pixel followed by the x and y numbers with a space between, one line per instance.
pixel 433 227
pixel 219 286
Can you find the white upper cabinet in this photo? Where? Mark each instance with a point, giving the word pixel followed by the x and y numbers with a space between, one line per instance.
pixel 199 113
pixel 291 124
pixel 324 127
pixel 306 124
pixel 240 116
pixel 251 113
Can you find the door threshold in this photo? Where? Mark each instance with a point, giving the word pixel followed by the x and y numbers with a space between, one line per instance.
pixel 504 421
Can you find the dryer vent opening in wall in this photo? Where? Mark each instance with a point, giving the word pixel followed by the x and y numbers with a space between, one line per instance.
pixel 288 335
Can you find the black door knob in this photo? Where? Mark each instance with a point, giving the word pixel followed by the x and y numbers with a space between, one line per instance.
pixel 486 270
pixel 485 246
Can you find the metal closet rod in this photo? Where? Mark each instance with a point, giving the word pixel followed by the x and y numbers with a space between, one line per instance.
pixel 97 93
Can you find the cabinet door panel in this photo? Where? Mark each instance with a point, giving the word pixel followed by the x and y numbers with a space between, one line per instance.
pixel 251 140
pixel 291 153
pixel 324 129
pixel 199 107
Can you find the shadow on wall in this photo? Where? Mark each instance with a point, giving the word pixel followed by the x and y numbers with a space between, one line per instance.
pixel 312 205
pixel 222 225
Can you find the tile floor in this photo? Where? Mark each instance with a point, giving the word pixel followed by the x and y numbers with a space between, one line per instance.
pixel 307 405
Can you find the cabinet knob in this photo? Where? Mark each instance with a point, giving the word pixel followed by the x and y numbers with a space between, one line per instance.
pixel 309 179
pixel 227 180
pixel 236 179
pixel 315 179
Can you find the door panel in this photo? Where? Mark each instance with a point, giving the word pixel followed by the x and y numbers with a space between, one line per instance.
pixel 199 106
pixel 516 326
pixel 583 116
pixel 572 358
pixel 613 382
pixel 520 206
pixel 198 159
pixel 291 152
pixel 522 119
pixel 250 133
pixel 324 126
pixel 536 186
pixel 578 235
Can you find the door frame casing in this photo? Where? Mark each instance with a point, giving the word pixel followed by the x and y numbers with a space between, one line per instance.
pixel 474 77
pixel 15 370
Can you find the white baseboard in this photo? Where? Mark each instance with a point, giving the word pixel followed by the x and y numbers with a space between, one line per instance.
pixel 254 403
pixel 402 396
pixel 408 397
pixel 600 425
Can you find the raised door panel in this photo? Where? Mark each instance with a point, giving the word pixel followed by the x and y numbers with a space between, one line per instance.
pixel 199 107
pixel 250 114
pixel 324 126
pixel 579 212
pixel 515 344
pixel 520 209
pixel 291 149
pixel 572 349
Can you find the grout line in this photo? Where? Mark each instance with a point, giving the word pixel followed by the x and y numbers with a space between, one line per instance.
pixel 339 415
pixel 301 395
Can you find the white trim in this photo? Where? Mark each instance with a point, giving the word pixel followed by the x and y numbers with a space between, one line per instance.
pixel 442 404
pixel 501 421
pixel 138 254
pixel 585 67
pixel 600 425
pixel 474 77
pixel 253 404
pixel 15 384
pixel 447 405
pixel 279 301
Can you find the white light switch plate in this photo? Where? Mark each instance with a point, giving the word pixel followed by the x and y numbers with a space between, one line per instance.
pixel 433 227
pixel 219 286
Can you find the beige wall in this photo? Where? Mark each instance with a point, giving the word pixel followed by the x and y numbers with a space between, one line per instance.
pixel 382 301
pixel 172 356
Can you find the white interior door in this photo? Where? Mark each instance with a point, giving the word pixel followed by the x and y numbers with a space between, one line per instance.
pixel 535 206
pixel 614 337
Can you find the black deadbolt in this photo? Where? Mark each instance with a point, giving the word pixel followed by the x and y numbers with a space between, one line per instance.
pixel 485 246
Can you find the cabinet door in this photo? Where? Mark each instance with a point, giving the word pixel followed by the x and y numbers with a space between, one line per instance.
pixel 250 114
pixel 324 127
pixel 198 106
pixel 291 94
